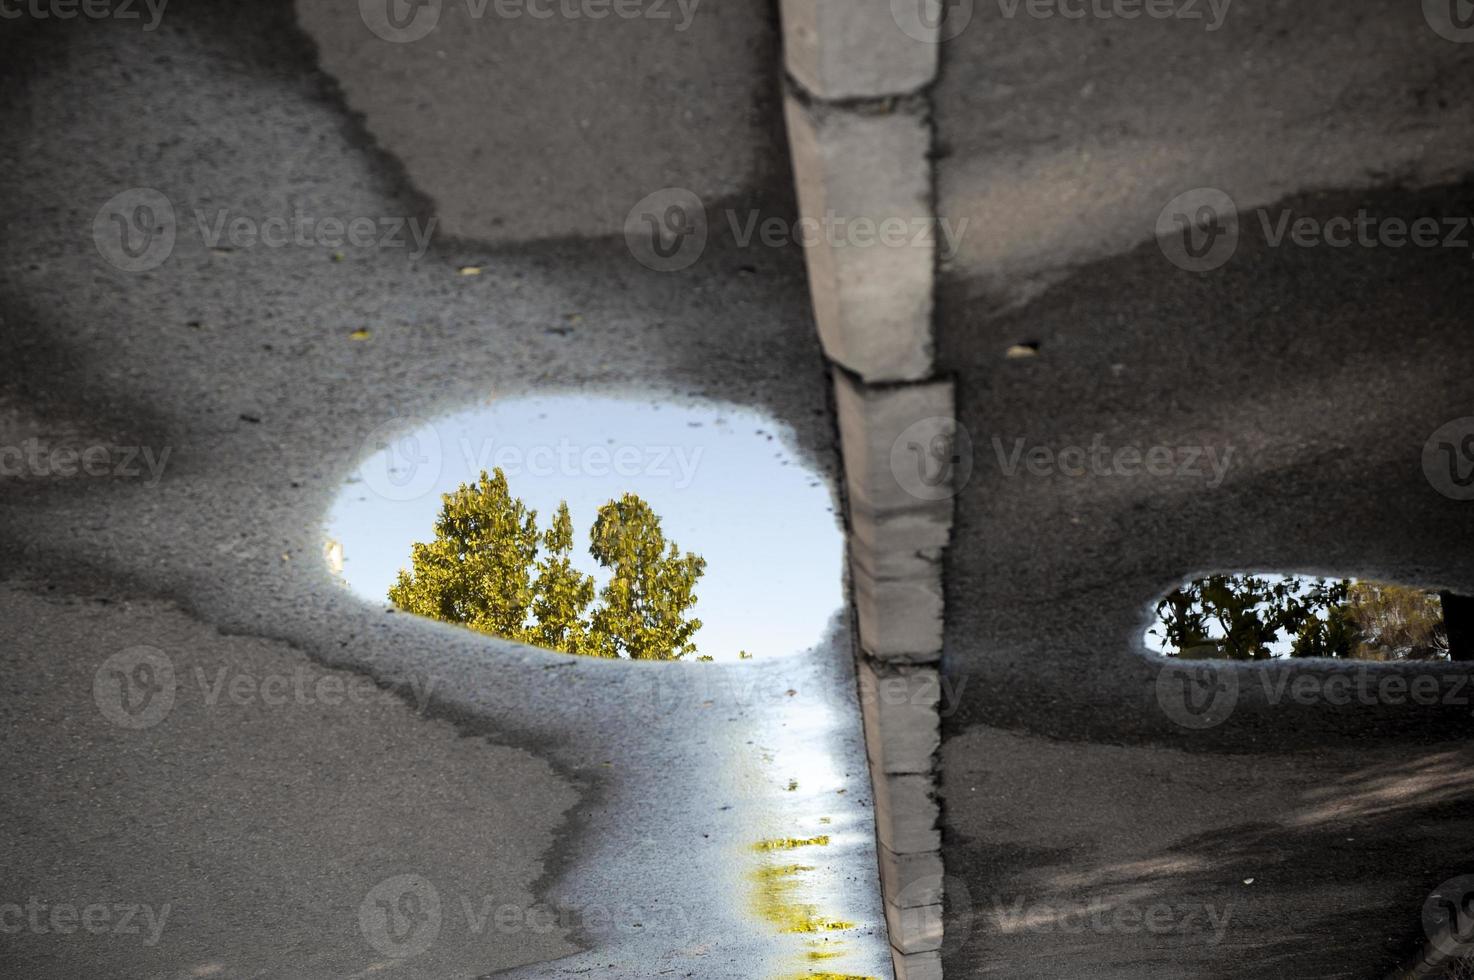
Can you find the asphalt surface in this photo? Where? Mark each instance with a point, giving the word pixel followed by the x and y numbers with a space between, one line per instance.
pixel 1062 139
pixel 1272 835
pixel 1312 815
pixel 521 127
pixel 294 829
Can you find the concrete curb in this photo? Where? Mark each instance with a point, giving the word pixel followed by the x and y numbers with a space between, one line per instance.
pixel 864 196
pixel 859 125
pixel 840 49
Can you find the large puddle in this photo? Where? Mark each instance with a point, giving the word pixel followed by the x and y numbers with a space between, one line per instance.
pixel 1271 616
pixel 726 484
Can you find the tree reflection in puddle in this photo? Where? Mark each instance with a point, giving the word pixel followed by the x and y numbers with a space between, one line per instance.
pixel 471 506
pixel 725 482
pixel 1267 616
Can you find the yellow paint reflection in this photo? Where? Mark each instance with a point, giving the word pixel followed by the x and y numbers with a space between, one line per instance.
pixel 779 897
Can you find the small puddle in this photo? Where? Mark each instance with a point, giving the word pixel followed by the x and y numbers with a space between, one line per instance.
pixel 1271 616
pixel 725 483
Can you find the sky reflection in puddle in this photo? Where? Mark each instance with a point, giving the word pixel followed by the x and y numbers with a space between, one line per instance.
pixel 725 481
pixel 729 486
